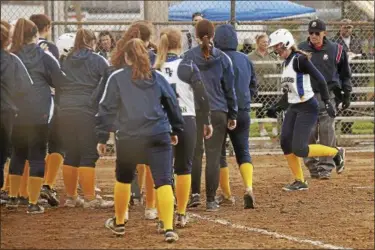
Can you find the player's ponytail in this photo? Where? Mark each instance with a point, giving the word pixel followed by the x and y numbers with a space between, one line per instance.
pixel 24 32
pixel 5 34
pixel 137 55
pixel 84 39
pixel 170 39
pixel 205 32
pixel 296 50
pixel 117 58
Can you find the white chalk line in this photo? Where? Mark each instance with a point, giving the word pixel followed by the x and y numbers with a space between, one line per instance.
pixel 265 232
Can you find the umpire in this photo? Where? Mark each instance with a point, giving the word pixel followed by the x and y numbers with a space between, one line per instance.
pixel 332 61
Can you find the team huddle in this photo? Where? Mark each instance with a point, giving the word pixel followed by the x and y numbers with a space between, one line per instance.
pixel 59 105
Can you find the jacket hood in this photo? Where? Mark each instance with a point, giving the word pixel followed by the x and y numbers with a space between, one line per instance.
pixel 32 54
pixel 80 56
pixel 143 84
pixel 226 37
pixel 201 62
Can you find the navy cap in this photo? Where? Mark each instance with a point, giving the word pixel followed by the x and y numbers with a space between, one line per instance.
pixel 316 25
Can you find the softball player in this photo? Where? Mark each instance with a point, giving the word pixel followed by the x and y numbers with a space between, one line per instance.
pixel 55 156
pixel 84 69
pixel 303 110
pixel 30 130
pixel 246 87
pixel 185 79
pixel 218 77
pixel 142 101
pixel 15 84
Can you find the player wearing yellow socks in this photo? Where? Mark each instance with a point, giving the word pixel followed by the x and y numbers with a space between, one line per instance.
pixel 302 113
pixel 185 79
pixel 146 109
pixel 246 87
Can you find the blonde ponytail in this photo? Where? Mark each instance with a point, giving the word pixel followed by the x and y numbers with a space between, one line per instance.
pixel 161 57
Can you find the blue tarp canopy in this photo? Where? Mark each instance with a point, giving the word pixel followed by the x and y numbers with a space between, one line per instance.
pixel 245 10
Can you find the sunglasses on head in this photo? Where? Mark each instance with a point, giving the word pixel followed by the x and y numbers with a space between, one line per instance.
pixel 315 33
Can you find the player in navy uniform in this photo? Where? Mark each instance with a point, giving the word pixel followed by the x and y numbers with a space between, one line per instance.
pixel 147 111
pixel 185 79
pixel 218 77
pixel 302 113
pixel 245 85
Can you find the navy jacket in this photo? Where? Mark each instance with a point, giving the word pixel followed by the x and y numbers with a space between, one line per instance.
pixel 45 72
pixel 15 82
pixel 245 82
pixel 143 108
pixel 51 47
pixel 218 78
pixel 332 61
pixel 84 70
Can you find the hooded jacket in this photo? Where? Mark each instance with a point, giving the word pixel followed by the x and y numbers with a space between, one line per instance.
pixel 245 81
pixel 332 61
pixel 15 82
pixel 45 72
pixel 142 108
pixel 218 78
pixel 84 70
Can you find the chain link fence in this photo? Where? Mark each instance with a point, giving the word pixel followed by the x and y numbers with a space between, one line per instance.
pixel 109 19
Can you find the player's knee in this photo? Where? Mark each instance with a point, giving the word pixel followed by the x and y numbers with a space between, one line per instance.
pixel 36 168
pixel 124 176
pixel 162 181
pixel 285 145
pixel 300 151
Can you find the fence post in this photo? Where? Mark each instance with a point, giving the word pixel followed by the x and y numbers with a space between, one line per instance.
pixel 233 12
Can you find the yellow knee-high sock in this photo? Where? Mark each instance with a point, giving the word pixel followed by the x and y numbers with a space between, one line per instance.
pixel 6 184
pixel 294 163
pixel 150 190
pixel 122 198
pixel 34 186
pixel 23 191
pixel 157 207
pixel 165 202
pixel 246 170
pixel 53 164
pixel 14 185
pixel 141 171
pixel 183 184
pixel 46 160
pixel 224 182
pixel 87 182
pixel 70 177
pixel 316 150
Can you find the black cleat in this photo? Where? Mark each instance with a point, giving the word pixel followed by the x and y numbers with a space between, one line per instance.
pixel 212 206
pixel 34 209
pixel 50 195
pixel 117 229
pixel 195 200
pixel 339 160
pixel 12 203
pixel 23 201
pixel 249 200
pixel 171 236
pixel 297 185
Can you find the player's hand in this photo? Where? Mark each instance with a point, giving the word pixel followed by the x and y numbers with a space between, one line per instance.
pixel 101 148
pixel 271 112
pixel 330 109
pixel 232 124
pixel 174 140
pixel 346 101
pixel 207 131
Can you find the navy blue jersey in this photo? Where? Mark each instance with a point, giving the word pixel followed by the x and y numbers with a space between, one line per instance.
pixel 15 82
pixel 186 81
pixel 218 78
pixel 45 72
pixel 332 61
pixel 84 70
pixel 142 107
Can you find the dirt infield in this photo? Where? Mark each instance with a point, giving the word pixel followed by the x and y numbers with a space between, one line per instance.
pixel 338 212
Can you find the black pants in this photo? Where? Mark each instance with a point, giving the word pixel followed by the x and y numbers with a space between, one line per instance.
pixel 54 140
pixel 296 129
pixel 155 151
pixel 29 142
pixel 184 150
pixel 240 140
pixel 6 124
pixel 213 152
pixel 79 140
